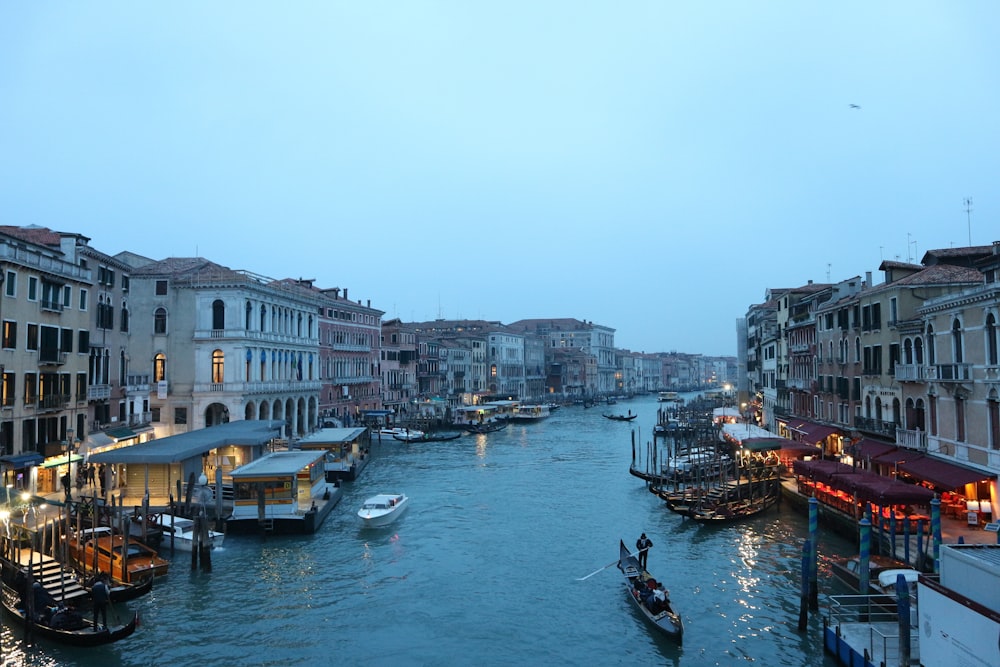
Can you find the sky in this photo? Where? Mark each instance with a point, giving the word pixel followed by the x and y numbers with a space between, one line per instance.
pixel 653 167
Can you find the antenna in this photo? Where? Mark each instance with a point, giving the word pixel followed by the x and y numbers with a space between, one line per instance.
pixel 908 242
pixel 828 272
pixel 968 216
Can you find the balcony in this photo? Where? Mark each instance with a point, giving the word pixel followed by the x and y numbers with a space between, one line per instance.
pixel 53 402
pixel 953 372
pixel 875 426
pixel 912 439
pixel 98 392
pixel 51 306
pixel 137 383
pixel 912 373
pixel 47 357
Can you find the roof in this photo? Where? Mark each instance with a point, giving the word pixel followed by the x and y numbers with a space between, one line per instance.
pixel 277 463
pixel 177 448
pixel 812 432
pixel 331 436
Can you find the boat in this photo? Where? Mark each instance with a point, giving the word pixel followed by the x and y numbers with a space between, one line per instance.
pixel 64 625
pixel 125 560
pixel 178 532
pixel 531 413
pixel 383 509
pixel 347 451
pixel 399 433
pixel 658 613
pixel 621 418
pixel 668 397
pixel 485 427
pixel 434 437
pixel 847 571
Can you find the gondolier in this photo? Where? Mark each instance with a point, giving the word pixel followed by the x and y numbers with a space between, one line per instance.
pixel 643 545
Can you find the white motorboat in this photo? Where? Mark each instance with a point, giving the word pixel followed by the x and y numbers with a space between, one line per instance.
pixel 383 509
pixel 398 433
pixel 179 532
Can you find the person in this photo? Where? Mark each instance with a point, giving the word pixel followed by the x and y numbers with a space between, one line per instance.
pixel 65 479
pixel 101 595
pixel 643 544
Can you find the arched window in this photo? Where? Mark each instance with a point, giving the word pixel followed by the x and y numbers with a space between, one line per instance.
pixel 263 317
pixel 249 316
pixel 124 318
pixel 908 351
pixel 298 326
pixel 122 369
pixel 218 366
pixel 857 350
pixel 218 314
pixel 991 340
pixel 160 321
pixel 918 350
pixel 159 367
pixel 956 340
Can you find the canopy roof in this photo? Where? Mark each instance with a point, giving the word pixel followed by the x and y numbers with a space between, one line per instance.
pixel 177 448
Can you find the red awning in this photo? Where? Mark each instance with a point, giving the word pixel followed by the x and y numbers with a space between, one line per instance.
pixel 942 474
pixel 886 491
pixel 822 470
pixel 867 448
pixel 899 455
pixel 812 432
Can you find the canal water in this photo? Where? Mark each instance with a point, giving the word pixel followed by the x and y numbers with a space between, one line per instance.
pixel 483 569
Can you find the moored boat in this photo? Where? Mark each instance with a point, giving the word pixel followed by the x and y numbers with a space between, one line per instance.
pixel 648 596
pixel 125 560
pixel 530 413
pixel 399 433
pixel 383 509
pixel 63 624
pixel 178 532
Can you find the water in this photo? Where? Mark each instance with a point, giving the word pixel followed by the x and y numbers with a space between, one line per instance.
pixel 482 569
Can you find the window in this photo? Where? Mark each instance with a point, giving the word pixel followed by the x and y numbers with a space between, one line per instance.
pixel 159 367
pixel 154 415
pixel 83 299
pixel 960 419
pixel 31 339
pixel 67 296
pixel 161 290
pixel 66 343
pixel 30 388
pixel 160 321
pixel 10 334
pixel 10 288
pixel 218 366
pixel 956 337
pixel 180 416
pixel 84 346
pixel 81 386
pixel 991 340
pixel 218 315
pixel 125 283
pixel 124 318
pixel 9 381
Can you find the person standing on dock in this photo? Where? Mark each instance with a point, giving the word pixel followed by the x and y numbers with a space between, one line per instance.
pixel 643 544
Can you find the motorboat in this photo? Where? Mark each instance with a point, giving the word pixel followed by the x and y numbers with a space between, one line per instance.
pixel 399 433
pixel 178 532
pixel 383 509
pixel 124 559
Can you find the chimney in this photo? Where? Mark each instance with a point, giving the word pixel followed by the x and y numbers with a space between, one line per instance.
pixel 868 278
pixel 345 294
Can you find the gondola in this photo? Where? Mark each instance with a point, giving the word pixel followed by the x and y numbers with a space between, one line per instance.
pixel 485 427
pixel 65 626
pixel 621 418
pixel 659 614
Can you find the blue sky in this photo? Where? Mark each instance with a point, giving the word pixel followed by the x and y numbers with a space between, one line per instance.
pixel 653 167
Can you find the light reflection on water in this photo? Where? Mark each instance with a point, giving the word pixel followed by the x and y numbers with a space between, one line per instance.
pixel 482 568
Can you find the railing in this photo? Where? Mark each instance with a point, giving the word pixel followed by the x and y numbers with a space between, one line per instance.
pixel 98 392
pixel 53 401
pixel 913 373
pixel 139 418
pixel 881 616
pixel 877 426
pixel 912 439
pixel 49 357
pixel 48 304
pixel 954 372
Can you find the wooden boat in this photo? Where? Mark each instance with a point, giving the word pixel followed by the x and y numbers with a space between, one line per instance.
pixel 621 418
pixel 659 614
pixel 485 427
pixel 64 625
pixel 847 571
pixel 125 561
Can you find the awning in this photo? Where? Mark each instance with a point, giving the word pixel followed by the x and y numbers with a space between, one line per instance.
pixel 822 470
pixel 897 456
pixel 867 448
pixel 60 460
pixel 886 491
pixel 812 432
pixel 17 461
pixel 942 474
pixel 121 433
pixel 377 413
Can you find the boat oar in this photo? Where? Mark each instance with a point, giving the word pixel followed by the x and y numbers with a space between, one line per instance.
pixel 614 562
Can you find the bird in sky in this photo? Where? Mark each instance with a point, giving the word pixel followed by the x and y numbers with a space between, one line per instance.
pixel 853 106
